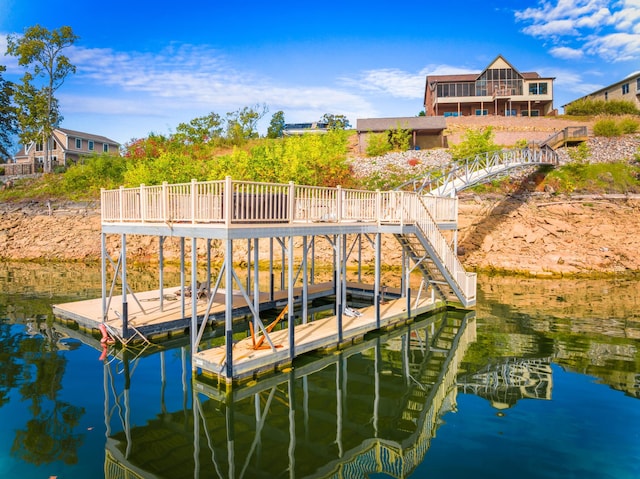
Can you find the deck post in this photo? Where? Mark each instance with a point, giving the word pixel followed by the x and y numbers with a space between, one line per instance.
pixel 256 281
pixel 338 286
pixel 228 316
pixel 125 306
pixel 376 279
pixel 290 300
pixel 182 279
pixel 194 300
pixel 305 279
pixel 103 254
pixel 161 272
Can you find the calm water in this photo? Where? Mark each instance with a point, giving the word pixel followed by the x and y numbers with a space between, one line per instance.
pixel 542 381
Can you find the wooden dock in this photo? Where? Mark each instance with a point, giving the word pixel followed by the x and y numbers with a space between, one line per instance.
pixel 322 334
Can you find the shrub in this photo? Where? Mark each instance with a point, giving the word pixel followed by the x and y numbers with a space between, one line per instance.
pixel 628 125
pixel 378 144
pixel 606 127
pixel 580 153
pixel 476 141
pixel 588 106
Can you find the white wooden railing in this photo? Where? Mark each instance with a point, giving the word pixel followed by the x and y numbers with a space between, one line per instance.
pixel 230 202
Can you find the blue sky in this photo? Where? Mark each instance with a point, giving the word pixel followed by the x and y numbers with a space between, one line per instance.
pixel 147 66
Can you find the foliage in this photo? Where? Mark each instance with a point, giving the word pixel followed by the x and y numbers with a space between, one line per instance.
pixel 619 177
pixel 203 129
pixel 8 125
pixel 590 106
pixel 276 126
pixel 100 171
pixel 475 141
pixel 580 153
pixel 242 123
pixel 606 127
pixel 400 138
pixel 378 144
pixel 335 122
pixel 628 125
pixel 40 50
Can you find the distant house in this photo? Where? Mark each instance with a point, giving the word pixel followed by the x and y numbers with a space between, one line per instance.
pixel 426 131
pixel 498 90
pixel 627 89
pixel 66 147
pixel 303 128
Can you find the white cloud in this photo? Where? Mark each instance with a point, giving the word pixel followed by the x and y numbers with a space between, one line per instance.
pixel 399 83
pixel 566 53
pixel 609 29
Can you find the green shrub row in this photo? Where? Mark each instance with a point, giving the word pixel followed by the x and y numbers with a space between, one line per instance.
pixel 591 107
pixel 611 127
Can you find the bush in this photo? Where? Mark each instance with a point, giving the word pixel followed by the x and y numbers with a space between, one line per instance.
pixel 590 107
pixel 606 127
pixel 378 144
pixel 580 153
pixel 476 141
pixel 628 126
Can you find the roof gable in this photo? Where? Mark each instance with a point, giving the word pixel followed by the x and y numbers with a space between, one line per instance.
pixel 87 136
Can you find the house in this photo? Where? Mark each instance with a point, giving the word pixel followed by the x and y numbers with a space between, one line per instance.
pixel 627 89
pixel 304 128
pixel 426 132
pixel 66 147
pixel 498 90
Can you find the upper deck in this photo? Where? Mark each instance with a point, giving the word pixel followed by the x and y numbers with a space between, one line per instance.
pixel 239 209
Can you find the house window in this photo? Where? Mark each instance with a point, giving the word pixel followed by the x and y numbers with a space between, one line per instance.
pixel 606 95
pixel 537 88
pixel 638 85
pixel 530 113
pixel 510 113
pixel 105 148
pixel 78 144
pixel 625 88
pixel 39 146
pixel 90 145
pixel 481 112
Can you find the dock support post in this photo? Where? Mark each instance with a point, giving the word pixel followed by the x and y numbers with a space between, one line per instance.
pixel 161 266
pixel 228 316
pixel 103 248
pixel 125 306
pixel 338 262
pixel 290 310
pixel 305 280
pixel 271 276
pixel 194 301
pixel 376 281
pixel 256 281
pixel 182 279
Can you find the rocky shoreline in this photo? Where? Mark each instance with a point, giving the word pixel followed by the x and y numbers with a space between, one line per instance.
pixel 538 235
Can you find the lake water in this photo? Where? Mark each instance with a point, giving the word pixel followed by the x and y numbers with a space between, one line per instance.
pixel 541 381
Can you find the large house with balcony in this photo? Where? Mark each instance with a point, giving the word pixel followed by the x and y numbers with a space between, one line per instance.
pixel 498 90
pixel 627 89
pixel 65 147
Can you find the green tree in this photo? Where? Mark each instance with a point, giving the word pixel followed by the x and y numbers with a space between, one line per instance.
pixel 204 129
pixel 41 51
pixel 276 126
pixel 8 126
pixel 475 141
pixel 335 122
pixel 241 124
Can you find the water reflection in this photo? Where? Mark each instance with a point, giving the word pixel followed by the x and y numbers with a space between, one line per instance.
pixel 372 408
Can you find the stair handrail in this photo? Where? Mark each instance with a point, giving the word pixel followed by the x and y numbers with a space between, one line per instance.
pixel 417 212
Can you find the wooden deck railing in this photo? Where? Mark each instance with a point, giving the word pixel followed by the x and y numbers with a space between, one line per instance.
pixel 228 202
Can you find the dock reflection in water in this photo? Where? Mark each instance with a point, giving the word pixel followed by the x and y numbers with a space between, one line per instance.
pixel 371 408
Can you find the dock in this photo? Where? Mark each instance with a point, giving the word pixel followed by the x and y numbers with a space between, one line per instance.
pixel 280 227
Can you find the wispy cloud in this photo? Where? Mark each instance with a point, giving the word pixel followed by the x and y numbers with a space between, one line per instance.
pixel 609 29
pixel 398 83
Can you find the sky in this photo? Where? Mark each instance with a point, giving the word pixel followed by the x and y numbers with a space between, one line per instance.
pixel 145 67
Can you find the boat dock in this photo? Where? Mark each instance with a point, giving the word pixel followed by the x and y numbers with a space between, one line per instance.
pixel 280 226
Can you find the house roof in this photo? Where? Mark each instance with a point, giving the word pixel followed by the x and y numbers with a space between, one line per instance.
pixel 416 123
pixel 470 77
pixel 87 136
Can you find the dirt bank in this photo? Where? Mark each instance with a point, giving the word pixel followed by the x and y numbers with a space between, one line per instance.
pixel 542 235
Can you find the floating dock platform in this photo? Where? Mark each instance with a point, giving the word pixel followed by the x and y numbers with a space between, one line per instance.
pixel 293 221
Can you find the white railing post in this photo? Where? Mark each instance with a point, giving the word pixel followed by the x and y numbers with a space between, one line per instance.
pixel 121 199
pixel 339 198
pixel 228 200
pixel 292 201
pixel 165 202
pixel 103 208
pixel 378 206
pixel 143 203
pixel 194 190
